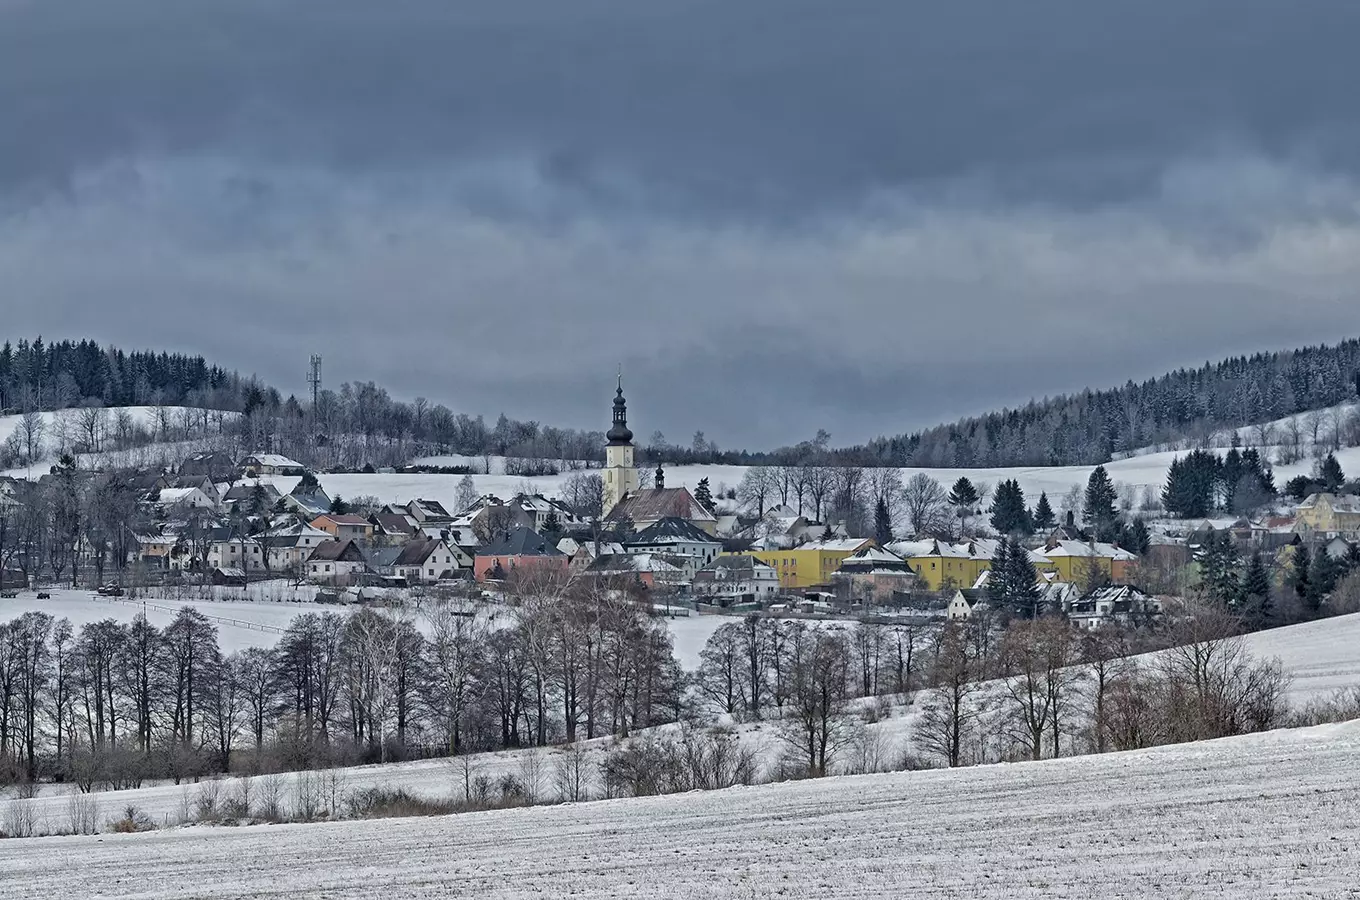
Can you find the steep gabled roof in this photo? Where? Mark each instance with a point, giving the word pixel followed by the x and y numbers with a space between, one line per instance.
pixel 673 530
pixel 623 562
pixel 391 523
pixel 345 519
pixel 416 552
pixel 650 505
pixel 736 566
pixel 521 541
pixel 384 557
pixel 337 551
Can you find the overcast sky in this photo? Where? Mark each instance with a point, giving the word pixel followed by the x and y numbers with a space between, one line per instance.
pixel 778 215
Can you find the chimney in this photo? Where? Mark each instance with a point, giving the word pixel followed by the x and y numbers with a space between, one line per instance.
pixel 660 478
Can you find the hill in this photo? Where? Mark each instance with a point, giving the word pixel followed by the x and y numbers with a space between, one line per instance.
pixel 1091 427
pixel 1263 815
pixel 360 424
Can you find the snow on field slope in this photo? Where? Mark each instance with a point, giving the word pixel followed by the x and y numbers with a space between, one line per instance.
pixel 245 622
pixel 1139 472
pixel 240 622
pixel 1271 815
pixel 1322 657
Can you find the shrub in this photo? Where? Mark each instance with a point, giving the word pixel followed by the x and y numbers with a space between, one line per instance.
pixel 386 802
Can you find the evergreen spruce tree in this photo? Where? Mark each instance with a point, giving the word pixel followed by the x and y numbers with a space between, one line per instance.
pixel 1101 513
pixel 1023 581
pixel 999 575
pixel 339 506
pixel 1330 474
pixel 1300 566
pixel 1233 472
pixel 1009 515
pixel 1218 570
pixel 1044 518
pixel 1192 483
pixel 1323 574
pixel 1257 609
pixel 704 495
pixel 883 532
pixel 552 526
pixel 964 498
pixel 1136 538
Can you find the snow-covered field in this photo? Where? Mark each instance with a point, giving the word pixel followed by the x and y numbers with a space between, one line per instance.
pixel 1270 815
pixel 1147 471
pixel 258 617
pixel 241 622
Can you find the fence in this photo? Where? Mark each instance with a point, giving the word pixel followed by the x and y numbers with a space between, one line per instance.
pixel 220 620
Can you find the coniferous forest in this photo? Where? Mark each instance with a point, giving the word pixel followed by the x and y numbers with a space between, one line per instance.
pixel 1181 407
pixel 1176 410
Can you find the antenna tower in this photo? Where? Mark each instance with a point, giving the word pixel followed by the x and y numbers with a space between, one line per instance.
pixel 314 379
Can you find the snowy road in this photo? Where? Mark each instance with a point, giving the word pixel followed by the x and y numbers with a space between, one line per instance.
pixel 1272 815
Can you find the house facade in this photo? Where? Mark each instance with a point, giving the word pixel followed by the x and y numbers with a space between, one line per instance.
pixel 428 561
pixel 336 563
pixel 737 578
pixel 680 542
pixel 1328 515
pixel 344 527
pixel 810 564
pixel 521 548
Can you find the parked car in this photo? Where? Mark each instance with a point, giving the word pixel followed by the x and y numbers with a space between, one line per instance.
pixel 110 590
pixel 43 595
pixel 8 595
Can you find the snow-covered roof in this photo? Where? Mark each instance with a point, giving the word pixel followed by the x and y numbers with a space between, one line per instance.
pixel 274 460
pixel 1084 550
pixel 176 495
pixel 914 549
pixel 835 545
pixel 672 530
pixel 1342 503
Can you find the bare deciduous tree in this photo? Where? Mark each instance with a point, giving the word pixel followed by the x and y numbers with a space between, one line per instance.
pixel 925 503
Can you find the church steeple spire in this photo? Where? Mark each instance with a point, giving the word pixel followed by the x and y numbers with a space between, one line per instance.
pixel 620 475
pixel 619 433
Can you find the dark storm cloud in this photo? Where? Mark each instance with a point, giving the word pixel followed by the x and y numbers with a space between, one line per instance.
pixel 779 214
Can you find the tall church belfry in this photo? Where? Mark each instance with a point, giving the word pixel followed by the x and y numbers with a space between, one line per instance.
pixel 620 475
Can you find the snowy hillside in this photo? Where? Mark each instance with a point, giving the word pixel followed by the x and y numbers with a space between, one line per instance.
pixel 1320 656
pixel 1139 472
pixel 65 428
pixel 1273 814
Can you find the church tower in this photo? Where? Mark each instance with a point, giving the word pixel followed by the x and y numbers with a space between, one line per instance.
pixel 620 475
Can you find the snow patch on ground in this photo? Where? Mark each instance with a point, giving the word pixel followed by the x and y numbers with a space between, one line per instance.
pixel 1266 815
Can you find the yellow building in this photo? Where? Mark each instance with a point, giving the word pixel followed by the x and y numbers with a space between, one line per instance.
pixel 941 565
pixel 1072 560
pixel 1328 514
pixel 809 564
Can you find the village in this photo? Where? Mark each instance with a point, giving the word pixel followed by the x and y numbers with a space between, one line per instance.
pixel 226 522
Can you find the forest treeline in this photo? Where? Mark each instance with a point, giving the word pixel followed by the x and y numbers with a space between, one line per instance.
pixel 360 423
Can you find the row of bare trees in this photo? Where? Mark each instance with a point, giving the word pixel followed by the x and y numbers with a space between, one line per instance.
pixel 68 522
pixel 1030 690
pixel 113 703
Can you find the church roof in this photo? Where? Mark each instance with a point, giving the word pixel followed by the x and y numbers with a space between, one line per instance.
pixel 655 504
